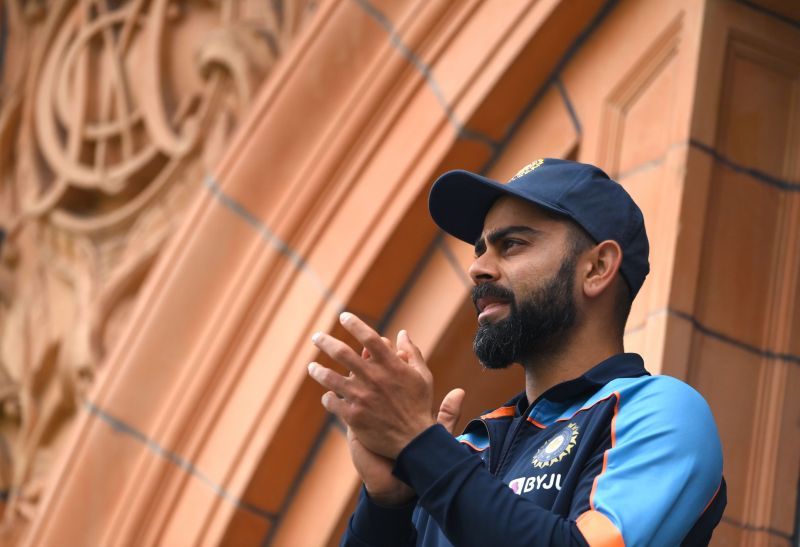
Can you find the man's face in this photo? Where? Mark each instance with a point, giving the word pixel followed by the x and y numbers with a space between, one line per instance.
pixel 524 273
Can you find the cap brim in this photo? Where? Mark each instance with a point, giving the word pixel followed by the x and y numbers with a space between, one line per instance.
pixel 459 201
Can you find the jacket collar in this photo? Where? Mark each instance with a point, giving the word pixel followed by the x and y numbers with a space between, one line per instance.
pixel 621 365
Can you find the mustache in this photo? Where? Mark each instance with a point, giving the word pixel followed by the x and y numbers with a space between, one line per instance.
pixel 491 290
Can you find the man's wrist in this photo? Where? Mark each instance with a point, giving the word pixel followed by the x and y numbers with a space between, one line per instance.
pixel 409 437
pixel 429 457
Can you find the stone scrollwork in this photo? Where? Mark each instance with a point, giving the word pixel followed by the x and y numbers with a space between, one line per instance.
pixel 111 111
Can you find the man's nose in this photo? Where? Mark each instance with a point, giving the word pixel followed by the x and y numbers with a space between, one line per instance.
pixel 483 269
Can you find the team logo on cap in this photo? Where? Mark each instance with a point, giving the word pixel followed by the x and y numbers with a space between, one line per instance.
pixel 557 447
pixel 527 169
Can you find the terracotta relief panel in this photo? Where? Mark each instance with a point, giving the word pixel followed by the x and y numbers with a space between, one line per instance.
pixel 636 146
pixel 643 100
pixel 748 279
pixel 745 213
pixel 111 113
pixel 743 224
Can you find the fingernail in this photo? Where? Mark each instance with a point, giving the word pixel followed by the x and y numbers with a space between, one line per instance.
pixel 404 333
pixel 345 316
pixel 315 337
pixel 311 367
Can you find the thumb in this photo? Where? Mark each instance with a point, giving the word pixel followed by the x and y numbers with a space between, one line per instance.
pixel 450 409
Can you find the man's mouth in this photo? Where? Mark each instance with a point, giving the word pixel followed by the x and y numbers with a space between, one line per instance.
pixel 492 302
pixel 489 306
pixel 487 302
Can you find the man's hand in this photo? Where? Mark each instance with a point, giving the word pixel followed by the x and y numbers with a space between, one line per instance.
pixel 376 473
pixel 387 398
pixel 376 470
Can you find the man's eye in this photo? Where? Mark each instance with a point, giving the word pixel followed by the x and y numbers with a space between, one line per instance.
pixel 509 243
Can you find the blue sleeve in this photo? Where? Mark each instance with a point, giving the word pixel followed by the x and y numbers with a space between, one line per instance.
pixel 471 506
pixel 664 465
pixel 373 525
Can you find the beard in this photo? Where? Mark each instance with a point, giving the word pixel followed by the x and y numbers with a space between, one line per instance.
pixel 536 326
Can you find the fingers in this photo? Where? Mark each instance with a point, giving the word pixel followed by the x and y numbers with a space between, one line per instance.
pixel 335 405
pixel 339 351
pixel 371 340
pixel 376 348
pixel 365 354
pixel 450 409
pixel 329 379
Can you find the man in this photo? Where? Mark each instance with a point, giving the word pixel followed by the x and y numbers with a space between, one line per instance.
pixel 594 451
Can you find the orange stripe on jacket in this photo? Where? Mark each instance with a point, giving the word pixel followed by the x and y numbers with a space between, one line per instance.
pixel 502 412
pixel 537 424
pixel 462 441
pixel 598 530
pixel 712 498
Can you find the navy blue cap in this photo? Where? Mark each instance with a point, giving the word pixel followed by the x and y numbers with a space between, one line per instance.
pixel 460 200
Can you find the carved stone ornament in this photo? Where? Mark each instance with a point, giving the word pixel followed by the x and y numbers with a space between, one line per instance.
pixel 111 113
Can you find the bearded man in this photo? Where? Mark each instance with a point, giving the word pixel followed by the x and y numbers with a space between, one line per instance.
pixel 594 451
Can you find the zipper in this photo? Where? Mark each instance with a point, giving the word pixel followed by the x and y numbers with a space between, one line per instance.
pixel 504 450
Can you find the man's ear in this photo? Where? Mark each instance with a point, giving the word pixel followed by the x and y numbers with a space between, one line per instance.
pixel 605 260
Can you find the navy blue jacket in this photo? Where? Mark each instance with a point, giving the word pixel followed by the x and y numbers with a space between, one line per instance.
pixel 615 457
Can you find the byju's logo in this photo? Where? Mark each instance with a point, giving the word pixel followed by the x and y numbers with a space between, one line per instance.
pixel 539 482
